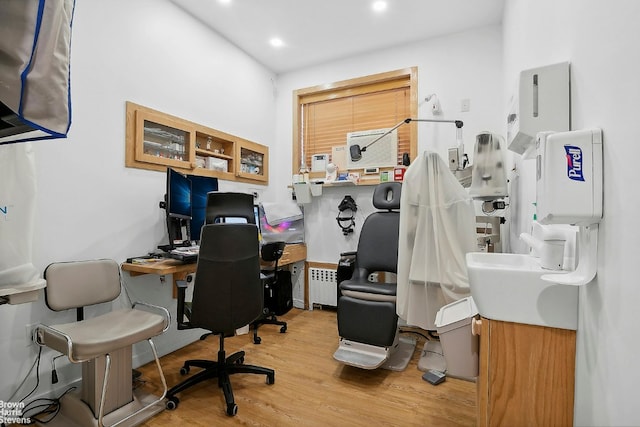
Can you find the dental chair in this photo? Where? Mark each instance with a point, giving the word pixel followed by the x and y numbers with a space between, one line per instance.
pixel 367 319
pixel 101 343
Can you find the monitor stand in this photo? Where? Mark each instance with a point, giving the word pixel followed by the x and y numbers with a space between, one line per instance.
pixel 178 234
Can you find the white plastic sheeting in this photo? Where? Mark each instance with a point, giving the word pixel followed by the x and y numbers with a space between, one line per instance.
pixel 17 207
pixel 437 229
pixel 35 39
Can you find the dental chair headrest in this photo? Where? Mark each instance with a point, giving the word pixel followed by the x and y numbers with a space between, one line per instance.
pixel 387 195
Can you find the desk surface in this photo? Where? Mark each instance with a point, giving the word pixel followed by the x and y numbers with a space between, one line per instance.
pixel 161 267
pixel 292 253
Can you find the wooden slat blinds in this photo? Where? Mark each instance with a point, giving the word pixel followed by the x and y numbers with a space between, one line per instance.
pixel 325 116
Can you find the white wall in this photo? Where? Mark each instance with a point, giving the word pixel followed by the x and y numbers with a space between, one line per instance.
pixel 600 39
pixel 458 66
pixel 89 205
pixel 150 52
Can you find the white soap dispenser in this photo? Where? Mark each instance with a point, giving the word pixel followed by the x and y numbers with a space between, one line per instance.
pixel 569 190
pixel 547 243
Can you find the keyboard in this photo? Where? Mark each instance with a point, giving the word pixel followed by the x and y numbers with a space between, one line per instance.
pixel 185 253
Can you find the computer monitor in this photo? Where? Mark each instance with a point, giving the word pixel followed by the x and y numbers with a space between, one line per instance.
pixel 200 187
pixel 178 195
pixel 256 215
pixel 177 205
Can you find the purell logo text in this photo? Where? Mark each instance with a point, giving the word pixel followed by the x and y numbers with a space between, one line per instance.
pixel 574 162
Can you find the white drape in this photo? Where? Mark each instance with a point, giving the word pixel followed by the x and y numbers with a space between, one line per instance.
pixel 17 210
pixel 437 229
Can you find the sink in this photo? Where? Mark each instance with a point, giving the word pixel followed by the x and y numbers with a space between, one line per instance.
pixel 509 287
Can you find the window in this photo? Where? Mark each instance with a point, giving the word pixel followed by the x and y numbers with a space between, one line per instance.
pixel 323 115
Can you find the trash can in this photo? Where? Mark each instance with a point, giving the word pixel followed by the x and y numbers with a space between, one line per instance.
pixel 459 345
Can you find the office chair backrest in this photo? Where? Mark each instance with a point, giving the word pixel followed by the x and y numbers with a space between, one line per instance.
pixel 227 292
pixel 272 251
pixel 229 205
pixel 81 283
pixel 378 243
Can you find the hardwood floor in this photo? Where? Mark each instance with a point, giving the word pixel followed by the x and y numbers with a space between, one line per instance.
pixel 311 388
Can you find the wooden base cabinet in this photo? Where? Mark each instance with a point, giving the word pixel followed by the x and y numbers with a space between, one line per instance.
pixel 527 375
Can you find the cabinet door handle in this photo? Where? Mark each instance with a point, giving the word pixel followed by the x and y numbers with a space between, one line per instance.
pixel 476 326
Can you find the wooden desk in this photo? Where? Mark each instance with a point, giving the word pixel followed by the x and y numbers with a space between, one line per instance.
pixel 292 253
pixel 178 269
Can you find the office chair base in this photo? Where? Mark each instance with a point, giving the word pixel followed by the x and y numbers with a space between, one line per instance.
pixel 365 356
pixel 221 369
pixel 269 319
pixel 75 413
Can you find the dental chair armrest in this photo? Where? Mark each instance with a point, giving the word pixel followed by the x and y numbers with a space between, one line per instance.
pixel 163 311
pixel 386 289
pixel 61 335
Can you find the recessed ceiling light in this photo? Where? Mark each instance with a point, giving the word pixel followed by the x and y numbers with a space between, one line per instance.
pixel 225 2
pixel 276 42
pixel 379 6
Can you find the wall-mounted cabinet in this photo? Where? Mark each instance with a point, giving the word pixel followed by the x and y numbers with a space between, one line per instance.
pixel 156 140
pixel 253 160
pixel 162 140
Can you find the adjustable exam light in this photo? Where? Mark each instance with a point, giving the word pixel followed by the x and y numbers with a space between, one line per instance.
pixel 355 151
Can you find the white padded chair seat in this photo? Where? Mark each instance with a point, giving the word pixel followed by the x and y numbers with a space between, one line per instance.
pixel 99 335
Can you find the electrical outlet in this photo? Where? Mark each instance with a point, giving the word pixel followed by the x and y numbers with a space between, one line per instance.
pixel 255 192
pixel 29 333
pixel 465 105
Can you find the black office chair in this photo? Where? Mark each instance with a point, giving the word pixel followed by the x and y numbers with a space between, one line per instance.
pixel 227 295
pixel 277 291
pixel 367 319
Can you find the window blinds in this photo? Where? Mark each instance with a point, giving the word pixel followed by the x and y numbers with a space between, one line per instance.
pixel 326 122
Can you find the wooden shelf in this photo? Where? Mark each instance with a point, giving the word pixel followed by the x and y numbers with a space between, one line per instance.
pixel 207 153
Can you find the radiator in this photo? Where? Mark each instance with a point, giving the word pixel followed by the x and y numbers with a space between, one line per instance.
pixel 322 287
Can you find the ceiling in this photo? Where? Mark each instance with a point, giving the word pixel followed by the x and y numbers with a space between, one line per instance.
pixel 319 31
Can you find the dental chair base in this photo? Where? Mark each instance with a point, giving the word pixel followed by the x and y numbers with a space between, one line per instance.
pixel 372 328
pixel 75 413
pixel 365 356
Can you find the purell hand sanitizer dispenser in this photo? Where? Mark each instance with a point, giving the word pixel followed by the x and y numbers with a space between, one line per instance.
pixel 569 191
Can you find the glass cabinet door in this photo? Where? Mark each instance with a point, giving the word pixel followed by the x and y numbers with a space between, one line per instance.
pixel 253 161
pixel 163 142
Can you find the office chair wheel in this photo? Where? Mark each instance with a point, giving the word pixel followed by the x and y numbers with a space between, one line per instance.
pixel 172 403
pixel 232 409
pixel 257 340
pixel 271 379
pixel 283 329
pixel 240 361
pixel 184 370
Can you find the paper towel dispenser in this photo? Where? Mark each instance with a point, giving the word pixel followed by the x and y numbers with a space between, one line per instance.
pixel 541 102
